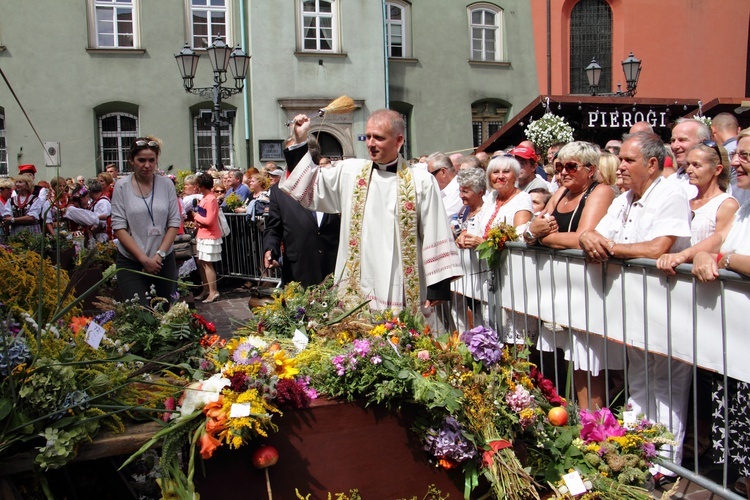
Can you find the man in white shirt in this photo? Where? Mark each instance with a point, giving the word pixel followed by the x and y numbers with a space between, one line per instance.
pixel 648 220
pixel 442 168
pixel 685 134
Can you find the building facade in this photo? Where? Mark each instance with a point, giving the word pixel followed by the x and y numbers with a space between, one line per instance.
pixel 94 74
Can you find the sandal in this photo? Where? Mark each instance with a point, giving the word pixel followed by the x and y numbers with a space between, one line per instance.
pixel 740 487
pixel 211 298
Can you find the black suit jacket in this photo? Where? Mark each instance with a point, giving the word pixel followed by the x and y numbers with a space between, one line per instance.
pixel 309 251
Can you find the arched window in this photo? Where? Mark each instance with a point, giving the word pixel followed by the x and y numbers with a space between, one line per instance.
pixel 485 23
pixel 204 138
pixel 398 23
pixel 318 21
pixel 590 37
pixel 117 131
pixel 487 117
pixel 330 147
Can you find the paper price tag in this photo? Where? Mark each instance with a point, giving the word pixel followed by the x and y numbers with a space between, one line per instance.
pixel 574 483
pixel 629 419
pixel 239 410
pixel 300 340
pixel 94 335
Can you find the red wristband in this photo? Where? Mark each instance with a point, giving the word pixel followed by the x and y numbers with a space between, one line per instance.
pixel 719 257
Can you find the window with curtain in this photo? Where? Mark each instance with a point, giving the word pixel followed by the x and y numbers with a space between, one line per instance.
pixel 117 131
pixel 208 19
pixel 114 23
pixel 319 25
pixel 204 139
pixel 485 22
pixel 398 28
pixel 590 37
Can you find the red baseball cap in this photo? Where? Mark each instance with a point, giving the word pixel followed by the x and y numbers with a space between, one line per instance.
pixel 26 169
pixel 524 152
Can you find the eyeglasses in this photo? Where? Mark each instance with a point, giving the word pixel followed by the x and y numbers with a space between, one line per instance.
pixel 744 156
pixel 143 144
pixel 571 166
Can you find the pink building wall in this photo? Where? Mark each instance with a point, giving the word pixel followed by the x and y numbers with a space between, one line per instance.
pixel 688 48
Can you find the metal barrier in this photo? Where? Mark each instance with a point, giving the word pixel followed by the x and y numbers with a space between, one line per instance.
pixel 675 330
pixel 242 252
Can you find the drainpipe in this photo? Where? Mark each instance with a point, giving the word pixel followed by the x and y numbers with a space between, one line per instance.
pixel 246 93
pixel 385 54
pixel 549 48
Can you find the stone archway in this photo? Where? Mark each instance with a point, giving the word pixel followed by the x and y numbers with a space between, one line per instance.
pixel 338 126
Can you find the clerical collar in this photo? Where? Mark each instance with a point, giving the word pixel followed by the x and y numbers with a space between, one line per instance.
pixel 389 167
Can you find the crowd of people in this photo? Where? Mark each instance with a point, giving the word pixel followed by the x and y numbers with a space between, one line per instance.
pixel 412 227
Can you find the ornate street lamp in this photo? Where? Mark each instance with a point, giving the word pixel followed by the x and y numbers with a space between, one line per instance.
pixel 630 66
pixel 220 57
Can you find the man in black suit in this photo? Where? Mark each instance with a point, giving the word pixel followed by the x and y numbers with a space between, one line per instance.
pixel 307 241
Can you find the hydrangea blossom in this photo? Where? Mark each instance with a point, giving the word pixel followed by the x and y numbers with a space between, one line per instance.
pixel 484 344
pixel 449 442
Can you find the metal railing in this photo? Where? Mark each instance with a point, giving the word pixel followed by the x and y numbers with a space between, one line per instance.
pixel 242 252
pixel 679 328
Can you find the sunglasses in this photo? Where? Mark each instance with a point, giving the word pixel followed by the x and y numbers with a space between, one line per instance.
pixel 711 144
pixel 571 166
pixel 435 172
pixel 219 191
pixel 143 144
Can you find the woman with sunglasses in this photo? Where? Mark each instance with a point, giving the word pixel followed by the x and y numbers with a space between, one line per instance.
pixel 576 207
pixel 145 221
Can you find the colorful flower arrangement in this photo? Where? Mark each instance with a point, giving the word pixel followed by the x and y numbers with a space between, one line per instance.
pixel 494 242
pixel 548 130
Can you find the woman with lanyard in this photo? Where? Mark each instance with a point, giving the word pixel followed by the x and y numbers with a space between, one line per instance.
pixel 145 220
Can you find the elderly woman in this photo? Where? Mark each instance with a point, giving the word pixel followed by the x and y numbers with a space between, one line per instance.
pixel 468 291
pixel 506 204
pixel 23 210
pixel 575 208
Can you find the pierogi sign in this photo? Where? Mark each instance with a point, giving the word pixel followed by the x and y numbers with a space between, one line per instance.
pixel 625 119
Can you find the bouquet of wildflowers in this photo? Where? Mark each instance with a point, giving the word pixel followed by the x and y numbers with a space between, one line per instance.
pixel 494 242
pixel 233 201
pixel 548 130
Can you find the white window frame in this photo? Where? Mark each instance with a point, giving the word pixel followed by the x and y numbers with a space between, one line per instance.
pixel 210 9
pixel 404 23
pixel 204 161
pixel 3 146
pixel 124 139
pixel 496 55
pixel 97 6
pixel 318 15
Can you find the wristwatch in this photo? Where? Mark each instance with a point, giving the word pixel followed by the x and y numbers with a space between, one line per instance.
pixel 162 254
pixel 528 235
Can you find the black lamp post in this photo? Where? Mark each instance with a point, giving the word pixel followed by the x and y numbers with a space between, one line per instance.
pixel 630 66
pixel 220 56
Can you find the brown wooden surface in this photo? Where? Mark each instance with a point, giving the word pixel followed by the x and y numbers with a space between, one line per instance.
pixel 106 444
pixel 332 447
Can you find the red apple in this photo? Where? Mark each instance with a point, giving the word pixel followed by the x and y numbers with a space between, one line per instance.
pixel 558 416
pixel 265 456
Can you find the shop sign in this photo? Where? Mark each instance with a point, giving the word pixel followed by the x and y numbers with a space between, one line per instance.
pixel 625 119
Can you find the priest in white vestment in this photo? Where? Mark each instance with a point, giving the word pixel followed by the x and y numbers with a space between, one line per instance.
pixel 395 247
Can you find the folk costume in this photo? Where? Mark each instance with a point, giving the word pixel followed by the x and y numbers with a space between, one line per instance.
pixel 396 248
